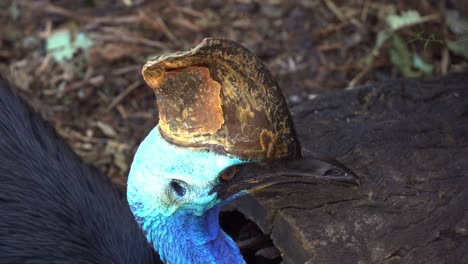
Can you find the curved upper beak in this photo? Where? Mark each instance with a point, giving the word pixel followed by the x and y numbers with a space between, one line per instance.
pixel 251 177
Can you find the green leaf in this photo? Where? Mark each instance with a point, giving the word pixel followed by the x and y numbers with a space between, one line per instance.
pixel 406 18
pixel 421 65
pixel 400 56
pixel 62 47
pixel 459 48
pixel 382 37
pixel 457 23
pixel 14 11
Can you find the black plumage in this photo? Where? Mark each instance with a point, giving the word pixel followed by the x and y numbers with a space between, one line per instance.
pixel 53 207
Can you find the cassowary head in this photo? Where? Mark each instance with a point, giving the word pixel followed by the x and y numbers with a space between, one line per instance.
pixel 224 131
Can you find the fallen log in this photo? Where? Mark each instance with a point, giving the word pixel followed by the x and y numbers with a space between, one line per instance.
pixel 408 142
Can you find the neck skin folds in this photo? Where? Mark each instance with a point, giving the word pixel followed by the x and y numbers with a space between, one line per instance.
pixel 187 238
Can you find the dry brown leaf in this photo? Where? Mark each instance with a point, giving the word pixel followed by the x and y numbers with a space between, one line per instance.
pixel 111 52
pixel 106 129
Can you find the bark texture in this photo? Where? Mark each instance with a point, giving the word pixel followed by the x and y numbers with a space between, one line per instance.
pixel 408 142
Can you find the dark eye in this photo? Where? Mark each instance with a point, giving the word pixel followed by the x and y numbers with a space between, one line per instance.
pixel 178 189
pixel 228 174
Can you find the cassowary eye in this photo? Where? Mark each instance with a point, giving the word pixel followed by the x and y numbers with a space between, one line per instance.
pixel 228 174
pixel 177 188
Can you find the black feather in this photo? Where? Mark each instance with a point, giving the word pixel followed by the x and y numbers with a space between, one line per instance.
pixel 53 207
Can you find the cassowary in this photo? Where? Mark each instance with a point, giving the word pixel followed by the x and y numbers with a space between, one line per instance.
pixel 53 207
pixel 224 131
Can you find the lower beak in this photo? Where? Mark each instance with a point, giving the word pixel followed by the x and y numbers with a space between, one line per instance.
pixel 251 177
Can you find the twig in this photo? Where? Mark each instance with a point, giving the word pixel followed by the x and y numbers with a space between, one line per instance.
pixel 123 113
pixel 75 135
pixel 365 11
pixel 335 10
pixel 359 76
pixel 126 69
pixel 329 46
pixel 94 81
pixel 190 11
pixel 61 11
pixel 183 22
pixel 44 64
pixel 445 58
pixel 124 94
pixel 330 29
pixel 156 23
pixel 117 35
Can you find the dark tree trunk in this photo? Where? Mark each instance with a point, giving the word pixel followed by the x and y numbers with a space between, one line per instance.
pixel 408 142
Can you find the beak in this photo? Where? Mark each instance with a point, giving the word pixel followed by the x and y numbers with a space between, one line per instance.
pixel 251 177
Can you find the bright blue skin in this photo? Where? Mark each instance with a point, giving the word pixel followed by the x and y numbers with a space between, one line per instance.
pixel 183 229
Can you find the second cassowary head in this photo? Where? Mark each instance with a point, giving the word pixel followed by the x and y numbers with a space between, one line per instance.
pixel 224 131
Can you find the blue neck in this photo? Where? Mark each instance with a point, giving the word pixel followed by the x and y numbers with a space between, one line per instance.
pixel 187 238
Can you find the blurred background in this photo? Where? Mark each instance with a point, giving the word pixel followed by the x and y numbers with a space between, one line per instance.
pixel 78 62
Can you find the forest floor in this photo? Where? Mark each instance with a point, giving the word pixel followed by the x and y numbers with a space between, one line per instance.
pixel 78 63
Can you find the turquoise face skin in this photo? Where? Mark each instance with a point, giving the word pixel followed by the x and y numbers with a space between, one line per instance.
pixel 182 228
